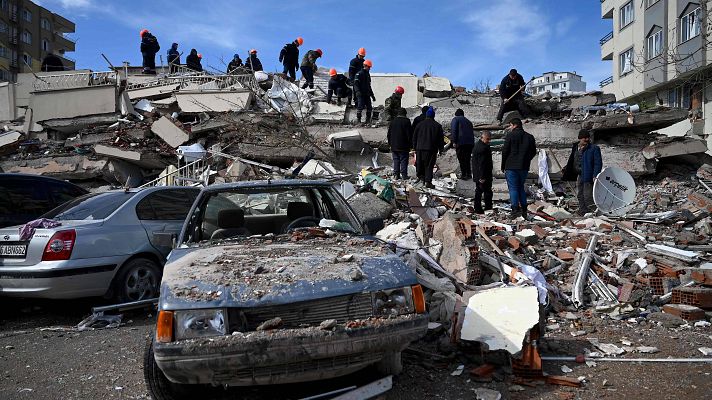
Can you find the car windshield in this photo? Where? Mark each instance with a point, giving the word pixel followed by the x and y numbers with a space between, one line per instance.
pixel 90 206
pixel 237 212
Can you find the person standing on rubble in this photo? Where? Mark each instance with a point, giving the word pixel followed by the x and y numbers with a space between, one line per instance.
pixel 356 64
pixel 393 104
pixel 462 137
pixel 364 92
pixel 309 67
pixel 517 153
pixel 482 172
pixel 234 64
pixel 149 48
pixel 193 61
pixel 428 140
pixel 585 163
pixel 399 136
pixel 512 96
pixel 420 118
pixel 173 59
pixel 253 63
pixel 289 57
pixel 338 84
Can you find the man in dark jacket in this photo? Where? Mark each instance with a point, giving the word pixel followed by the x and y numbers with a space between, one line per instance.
pixel 234 64
pixel 399 135
pixel 309 67
pixel 338 84
pixel 149 48
pixel 517 153
pixel 52 63
pixel 393 104
pixel 356 64
pixel 253 63
pixel 482 172
pixel 289 57
pixel 420 118
pixel 428 140
pixel 173 59
pixel 462 137
pixel 507 88
pixel 364 92
pixel 193 61
pixel 585 163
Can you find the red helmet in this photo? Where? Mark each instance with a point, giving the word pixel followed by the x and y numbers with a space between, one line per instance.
pixel 300 41
pixel 143 32
pixel 253 51
pixel 319 52
pixel 200 55
pixel 362 52
pixel 400 90
pixel 332 72
pixel 368 63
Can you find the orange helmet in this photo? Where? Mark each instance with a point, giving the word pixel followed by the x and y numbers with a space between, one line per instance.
pixel 362 52
pixel 200 55
pixel 368 63
pixel 253 51
pixel 332 72
pixel 319 52
pixel 300 41
pixel 400 90
pixel 143 32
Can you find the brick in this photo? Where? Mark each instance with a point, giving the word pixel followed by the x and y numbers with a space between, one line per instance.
pixel 703 276
pixel 700 201
pixel 579 244
pixel 694 296
pixel 625 291
pixel 483 371
pixel 605 228
pixel 564 255
pixel 616 239
pixel 514 243
pixel 540 232
pixel 684 311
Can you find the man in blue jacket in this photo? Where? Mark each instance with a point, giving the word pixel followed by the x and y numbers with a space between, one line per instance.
pixel 517 153
pixel 585 163
pixel 462 137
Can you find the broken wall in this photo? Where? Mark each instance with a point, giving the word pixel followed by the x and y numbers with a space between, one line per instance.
pixel 383 85
pixel 70 103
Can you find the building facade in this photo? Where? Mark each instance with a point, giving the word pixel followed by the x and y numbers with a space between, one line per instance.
pixel 557 83
pixel 28 33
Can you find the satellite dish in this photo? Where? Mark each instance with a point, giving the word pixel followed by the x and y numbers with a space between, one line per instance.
pixel 614 191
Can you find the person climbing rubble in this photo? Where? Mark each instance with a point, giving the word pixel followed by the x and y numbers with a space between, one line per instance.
pixel 309 67
pixel 462 137
pixel 356 64
pixel 338 85
pixel 193 61
pixel 253 63
pixel 234 64
pixel 428 140
pixel 393 104
pixel 289 57
pixel 149 48
pixel 517 153
pixel 399 137
pixel 364 92
pixel 482 172
pixel 511 90
pixel 585 163
pixel 173 58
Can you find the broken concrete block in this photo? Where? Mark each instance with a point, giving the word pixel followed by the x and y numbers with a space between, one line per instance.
pixel 557 212
pixel 369 206
pixel 169 132
pixel 152 92
pixel 9 141
pixel 383 85
pixel 325 112
pixel 675 148
pixel 437 87
pixel 213 101
pixel 643 122
pixel 527 236
pixel 142 159
pixel 71 103
pixel 70 167
pixel 684 311
pixel 455 257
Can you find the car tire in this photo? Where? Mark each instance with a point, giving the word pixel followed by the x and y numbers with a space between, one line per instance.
pixel 390 364
pixel 159 387
pixel 138 279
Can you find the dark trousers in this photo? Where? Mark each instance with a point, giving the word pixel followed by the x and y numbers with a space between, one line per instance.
pixel 291 71
pixel 149 60
pixel 464 153
pixel 348 93
pixel 516 104
pixel 515 184
pixel 424 164
pixel 308 75
pixel 585 196
pixel 400 164
pixel 483 188
pixel 364 101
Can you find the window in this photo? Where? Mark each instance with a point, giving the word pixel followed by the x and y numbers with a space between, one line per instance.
pixel 27 59
pixel 3 5
pixel 26 15
pixel 626 61
pixel 690 25
pixel 45 45
pixel 555 86
pixel 44 23
pixel 655 44
pixel 563 85
pixel 26 37
pixel 168 205
pixel 626 14
pixel 90 206
pixel 3 27
pixel 62 193
pixel 4 76
pixel 3 52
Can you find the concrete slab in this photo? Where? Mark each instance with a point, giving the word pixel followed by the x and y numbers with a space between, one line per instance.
pixel 9 141
pixel 7 102
pixel 383 85
pixel 169 132
pixel 142 159
pixel 71 103
pixel 69 167
pixel 153 92
pixel 325 112
pixel 437 87
pixel 25 81
pixel 220 101
pixel 675 148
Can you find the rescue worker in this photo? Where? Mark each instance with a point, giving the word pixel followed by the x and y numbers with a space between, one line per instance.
pixel 517 153
pixel 253 63
pixel 585 163
pixel 338 86
pixel 173 58
pixel 149 48
pixel 393 104
pixel 364 92
pixel 482 172
pixel 420 118
pixel 428 140
pixel 462 137
pixel 309 67
pixel 234 64
pixel 356 64
pixel 289 57
pixel 193 61
pixel 399 136
pixel 507 88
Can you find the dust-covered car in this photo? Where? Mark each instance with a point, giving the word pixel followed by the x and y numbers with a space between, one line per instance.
pixel 257 293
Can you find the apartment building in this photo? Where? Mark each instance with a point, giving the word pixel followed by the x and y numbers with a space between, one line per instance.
pixel 557 83
pixel 28 33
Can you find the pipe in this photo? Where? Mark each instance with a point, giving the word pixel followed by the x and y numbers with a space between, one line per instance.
pixel 657 360
pixel 582 274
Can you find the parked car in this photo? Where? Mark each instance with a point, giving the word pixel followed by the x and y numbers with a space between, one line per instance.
pixel 25 197
pixel 109 244
pixel 338 302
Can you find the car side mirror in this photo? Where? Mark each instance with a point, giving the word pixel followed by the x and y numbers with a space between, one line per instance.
pixel 374 225
pixel 164 239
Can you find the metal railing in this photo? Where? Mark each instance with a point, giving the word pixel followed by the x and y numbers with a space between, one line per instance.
pixel 199 81
pixel 606 38
pixel 75 81
pixel 606 81
pixel 192 174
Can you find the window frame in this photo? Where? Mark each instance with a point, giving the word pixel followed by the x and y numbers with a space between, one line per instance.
pixel 684 25
pixel 650 40
pixel 26 15
pixel 650 3
pixel 621 13
pixel 26 34
pixel 621 71
pixel 154 210
pixel 27 59
pixel 45 45
pixel 45 24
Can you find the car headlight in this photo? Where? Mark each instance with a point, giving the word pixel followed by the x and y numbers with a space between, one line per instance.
pixel 200 323
pixel 393 302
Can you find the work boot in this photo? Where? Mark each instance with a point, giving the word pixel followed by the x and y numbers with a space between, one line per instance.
pixel 524 214
pixel 479 210
pixel 368 117
pixel 430 185
pixel 515 213
pixel 358 118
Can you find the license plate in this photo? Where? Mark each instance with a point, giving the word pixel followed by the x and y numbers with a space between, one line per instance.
pixel 13 250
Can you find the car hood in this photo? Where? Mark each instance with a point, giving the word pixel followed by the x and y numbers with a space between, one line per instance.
pixel 262 273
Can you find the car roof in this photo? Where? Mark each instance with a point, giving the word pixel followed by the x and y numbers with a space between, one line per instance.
pixel 4 175
pixel 273 183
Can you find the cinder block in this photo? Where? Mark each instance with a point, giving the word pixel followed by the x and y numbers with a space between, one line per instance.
pixel 684 311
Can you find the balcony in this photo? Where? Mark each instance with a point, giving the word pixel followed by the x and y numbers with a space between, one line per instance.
pixel 607 8
pixel 61 24
pixel 606 82
pixel 63 42
pixel 607 47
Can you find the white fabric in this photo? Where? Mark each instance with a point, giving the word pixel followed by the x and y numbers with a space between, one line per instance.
pixel 544 172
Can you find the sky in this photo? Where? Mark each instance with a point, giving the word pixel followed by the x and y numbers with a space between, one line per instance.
pixel 468 41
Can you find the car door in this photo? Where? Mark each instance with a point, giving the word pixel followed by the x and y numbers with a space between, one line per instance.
pixel 162 214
